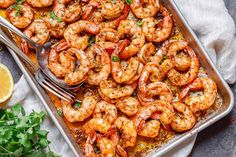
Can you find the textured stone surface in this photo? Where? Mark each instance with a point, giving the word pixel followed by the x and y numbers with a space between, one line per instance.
pixel 219 140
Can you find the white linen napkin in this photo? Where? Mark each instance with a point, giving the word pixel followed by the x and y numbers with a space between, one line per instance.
pixel 216 30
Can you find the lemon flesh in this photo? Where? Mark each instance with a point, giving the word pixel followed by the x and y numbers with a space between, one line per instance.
pixel 6 83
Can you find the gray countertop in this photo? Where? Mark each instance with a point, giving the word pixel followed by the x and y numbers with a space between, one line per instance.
pixel 219 140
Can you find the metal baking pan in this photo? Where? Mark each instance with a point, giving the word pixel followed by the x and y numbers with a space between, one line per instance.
pixel 206 62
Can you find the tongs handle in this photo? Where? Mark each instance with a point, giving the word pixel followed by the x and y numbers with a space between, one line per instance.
pixel 8 25
pixel 5 40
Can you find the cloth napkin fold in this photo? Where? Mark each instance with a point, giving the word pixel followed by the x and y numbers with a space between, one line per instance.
pixel 216 30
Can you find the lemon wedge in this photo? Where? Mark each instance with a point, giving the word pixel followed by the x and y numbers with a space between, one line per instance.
pixel 6 83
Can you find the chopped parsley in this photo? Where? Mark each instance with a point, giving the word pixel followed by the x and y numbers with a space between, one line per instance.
pixel 17 8
pixel 115 59
pixel 76 105
pixel 91 40
pixel 139 23
pixel 129 1
pixel 60 112
pixel 54 17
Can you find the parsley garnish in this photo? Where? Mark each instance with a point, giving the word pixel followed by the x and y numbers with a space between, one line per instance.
pixel 60 112
pixel 91 40
pixel 115 59
pixel 129 1
pixel 20 134
pixel 17 8
pixel 54 17
pixel 77 105
pixel 139 23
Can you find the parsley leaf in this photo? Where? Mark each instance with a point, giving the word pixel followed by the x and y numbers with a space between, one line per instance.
pixel 91 40
pixel 139 23
pixel 54 17
pixel 17 8
pixel 115 59
pixel 129 1
pixel 76 105
pixel 20 134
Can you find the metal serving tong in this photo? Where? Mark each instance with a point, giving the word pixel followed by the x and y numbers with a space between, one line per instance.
pixel 40 77
pixel 42 53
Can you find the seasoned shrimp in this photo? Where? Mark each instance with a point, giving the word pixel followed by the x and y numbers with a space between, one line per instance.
pixel 40 3
pixel 145 8
pixel 6 3
pixel 85 110
pixel 149 129
pixel 180 78
pixel 100 65
pixel 80 74
pixel 107 99
pixel 115 23
pixel 112 9
pixel 36 31
pixel 107 38
pixel 128 106
pixel 113 90
pixel 73 31
pixel 200 102
pixel 96 125
pixel 67 13
pixel 105 145
pixel 109 110
pixel 55 26
pixel 130 28
pixel 121 73
pixel 165 109
pixel 164 27
pixel 129 132
pixel 20 18
pixel 185 118
pixel 61 64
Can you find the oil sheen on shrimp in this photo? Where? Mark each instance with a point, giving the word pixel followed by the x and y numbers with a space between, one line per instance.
pixel 36 31
pixel 83 112
pixel 145 8
pixel 73 32
pixel 163 30
pixel 203 101
pixel 128 106
pixel 20 18
pixel 184 118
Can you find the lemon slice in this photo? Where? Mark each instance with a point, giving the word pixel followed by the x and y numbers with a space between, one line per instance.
pixel 6 83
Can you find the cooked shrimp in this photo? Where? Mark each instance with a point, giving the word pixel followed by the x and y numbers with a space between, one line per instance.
pixel 166 115
pixel 6 3
pixel 107 99
pixel 79 75
pixel 90 8
pixel 128 106
pixel 106 147
pixel 129 132
pixel 107 38
pixel 146 51
pixel 179 78
pixel 137 75
pixel 113 90
pixel 200 102
pixel 67 13
pixel 109 110
pixel 184 120
pixel 40 3
pixel 73 31
pixel 100 65
pixel 36 31
pixel 83 112
pixel 112 9
pixel 121 73
pixel 145 8
pixel 130 28
pixel 20 18
pixel 149 129
pixel 96 125
pixel 164 27
pixel 61 63
pixel 115 23
pixel 55 26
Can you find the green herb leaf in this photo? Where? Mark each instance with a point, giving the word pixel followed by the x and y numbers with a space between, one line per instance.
pixel 129 1
pixel 17 8
pixel 54 17
pixel 19 1
pixel 76 105
pixel 60 112
pixel 91 40
pixel 115 59
pixel 139 23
